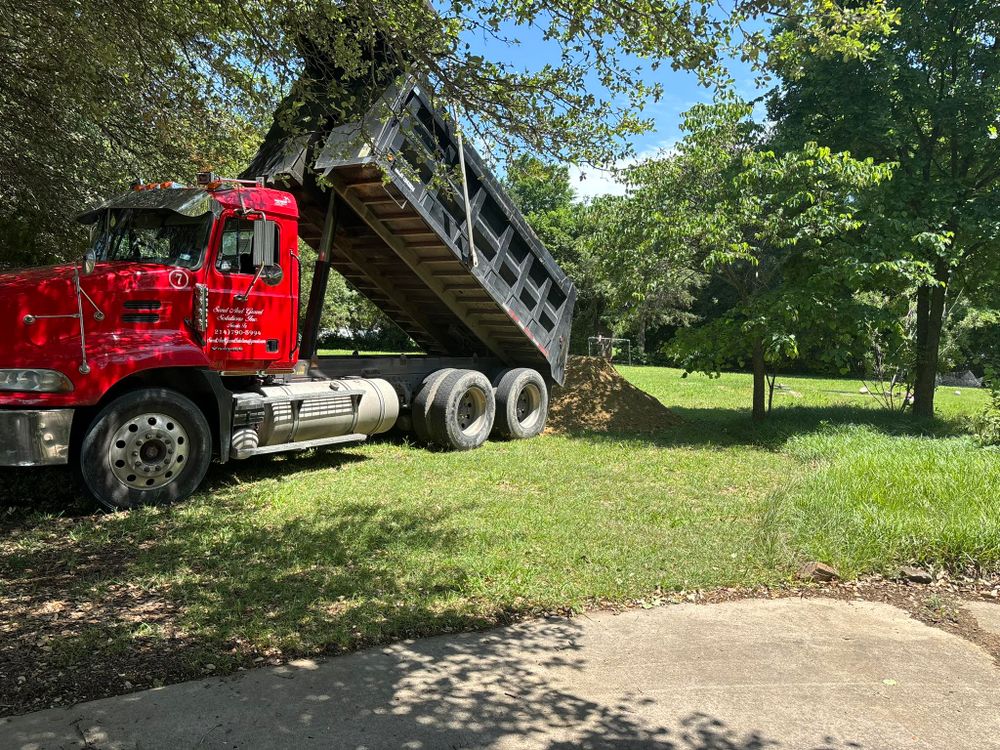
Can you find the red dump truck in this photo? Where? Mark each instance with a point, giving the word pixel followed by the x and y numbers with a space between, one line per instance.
pixel 177 338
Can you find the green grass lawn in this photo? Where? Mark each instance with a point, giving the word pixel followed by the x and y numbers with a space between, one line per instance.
pixel 337 549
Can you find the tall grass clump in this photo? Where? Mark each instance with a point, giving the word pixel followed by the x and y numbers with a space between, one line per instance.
pixel 875 502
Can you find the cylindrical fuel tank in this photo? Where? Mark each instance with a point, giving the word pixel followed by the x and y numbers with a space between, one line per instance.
pixel 299 412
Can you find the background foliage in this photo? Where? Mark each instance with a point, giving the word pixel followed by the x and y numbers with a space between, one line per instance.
pixel 94 95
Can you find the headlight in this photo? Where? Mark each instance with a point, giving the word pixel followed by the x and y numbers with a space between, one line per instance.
pixel 34 381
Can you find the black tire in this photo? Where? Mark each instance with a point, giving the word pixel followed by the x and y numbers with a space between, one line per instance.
pixel 462 411
pixel 522 404
pixel 170 450
pixel 422 404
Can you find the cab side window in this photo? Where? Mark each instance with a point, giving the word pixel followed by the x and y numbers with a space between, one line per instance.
pixel 236 248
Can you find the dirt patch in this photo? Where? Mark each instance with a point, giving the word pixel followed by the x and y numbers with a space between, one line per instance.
pixel 596 398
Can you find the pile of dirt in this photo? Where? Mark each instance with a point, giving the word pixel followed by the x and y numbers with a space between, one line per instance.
pixel 596 398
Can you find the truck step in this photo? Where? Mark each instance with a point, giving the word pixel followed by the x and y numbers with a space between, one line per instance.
pixel 304 445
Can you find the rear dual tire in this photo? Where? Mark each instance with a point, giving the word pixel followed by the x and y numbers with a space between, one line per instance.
pixel 522 404
pixel 460 409
pixel 420 413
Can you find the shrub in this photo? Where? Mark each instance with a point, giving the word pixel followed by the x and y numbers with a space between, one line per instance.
pixel 986 424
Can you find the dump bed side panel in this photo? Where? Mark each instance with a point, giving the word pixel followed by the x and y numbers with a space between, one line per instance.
pixel 506 289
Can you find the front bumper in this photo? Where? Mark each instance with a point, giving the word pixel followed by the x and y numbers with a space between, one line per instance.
pixel 35 438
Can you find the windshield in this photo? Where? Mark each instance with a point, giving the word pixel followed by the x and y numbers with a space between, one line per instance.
pixel 151 236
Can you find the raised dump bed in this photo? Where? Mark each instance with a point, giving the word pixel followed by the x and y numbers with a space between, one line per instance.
pixel 401 237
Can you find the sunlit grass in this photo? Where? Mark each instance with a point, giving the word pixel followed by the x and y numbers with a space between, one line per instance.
pixel 336 549
pixel 878 501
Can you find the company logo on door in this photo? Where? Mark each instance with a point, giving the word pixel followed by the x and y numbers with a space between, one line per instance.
pixel 236 327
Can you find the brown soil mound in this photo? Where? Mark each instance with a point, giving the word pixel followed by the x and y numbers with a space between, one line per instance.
pixel 597 398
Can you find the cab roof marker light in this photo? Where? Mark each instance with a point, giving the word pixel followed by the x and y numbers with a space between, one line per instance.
pixel 212 181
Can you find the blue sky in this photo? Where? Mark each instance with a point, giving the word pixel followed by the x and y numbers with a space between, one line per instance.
pixel 681 91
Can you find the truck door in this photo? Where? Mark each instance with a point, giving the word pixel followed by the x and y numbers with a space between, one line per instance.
pixel 251 323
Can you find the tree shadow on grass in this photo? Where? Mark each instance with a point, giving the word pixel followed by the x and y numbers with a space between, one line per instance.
pixel 30 494
pixel 724 428
pixel 520 687
pixel 138 600
pixel 152 598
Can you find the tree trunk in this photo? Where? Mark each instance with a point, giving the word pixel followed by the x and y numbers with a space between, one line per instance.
pixel 930 319
pixel 640 338
pixel 759 381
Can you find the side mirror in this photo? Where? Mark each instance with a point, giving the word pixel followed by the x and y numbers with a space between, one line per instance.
pixel 89 262
pixel 271 275
pixel 263 242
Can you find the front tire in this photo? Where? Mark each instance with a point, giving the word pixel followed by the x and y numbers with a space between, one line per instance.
pixel 148 447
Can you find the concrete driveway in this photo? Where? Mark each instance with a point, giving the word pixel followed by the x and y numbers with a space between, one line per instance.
pixel 791 673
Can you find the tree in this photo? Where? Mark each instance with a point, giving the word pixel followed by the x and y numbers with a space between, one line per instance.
pixel 971 338
pixel 538 188
pixel 771 227
pixel 644 273
pixel 96 94
pixel 647 242
pixel 927 97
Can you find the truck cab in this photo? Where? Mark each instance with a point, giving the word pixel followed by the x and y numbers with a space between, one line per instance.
pixel 218 264
pixel 175 277
pixel 181 287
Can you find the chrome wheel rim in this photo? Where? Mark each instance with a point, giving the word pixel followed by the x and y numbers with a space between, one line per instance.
pixel 471 411
pixel 529 402
pixel 149 451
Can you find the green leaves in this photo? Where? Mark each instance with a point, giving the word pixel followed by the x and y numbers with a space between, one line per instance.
pixel 833 30
pixel 925 96
pixel 773 227
pixel 926 99
pixel 95 94
pixel 537 187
